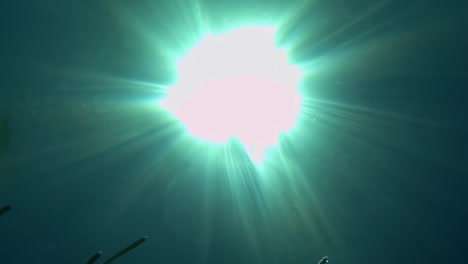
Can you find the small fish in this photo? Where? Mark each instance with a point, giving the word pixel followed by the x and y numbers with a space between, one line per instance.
pixel 94 257
pixel 127 249
pixel 5 209
pixel 323 260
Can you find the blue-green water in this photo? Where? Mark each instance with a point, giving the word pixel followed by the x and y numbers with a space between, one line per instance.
pixel 89 162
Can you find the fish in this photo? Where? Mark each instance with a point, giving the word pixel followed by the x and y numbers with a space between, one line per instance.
pixel 5 209
pixel 94 257
pixel 3 133
pixel 324 260
pixel 127 249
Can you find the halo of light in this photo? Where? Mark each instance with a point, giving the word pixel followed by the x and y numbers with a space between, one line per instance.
pixel 236 85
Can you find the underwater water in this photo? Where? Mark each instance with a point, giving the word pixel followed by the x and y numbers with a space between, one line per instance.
pixel 374 173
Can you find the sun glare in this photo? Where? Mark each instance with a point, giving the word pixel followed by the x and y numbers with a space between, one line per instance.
pixel 236 85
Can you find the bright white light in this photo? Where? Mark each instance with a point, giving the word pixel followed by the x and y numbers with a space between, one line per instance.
pixel 236 85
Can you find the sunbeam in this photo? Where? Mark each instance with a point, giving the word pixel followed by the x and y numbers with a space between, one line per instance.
pixel 272 129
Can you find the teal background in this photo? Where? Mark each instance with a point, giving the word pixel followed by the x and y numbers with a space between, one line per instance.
pixel 375 174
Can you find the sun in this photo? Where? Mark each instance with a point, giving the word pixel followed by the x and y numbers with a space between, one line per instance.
pixel 236 85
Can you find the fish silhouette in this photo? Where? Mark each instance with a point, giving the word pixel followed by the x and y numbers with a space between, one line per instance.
pixel 126 249
pixel 323 260
pixel 4 209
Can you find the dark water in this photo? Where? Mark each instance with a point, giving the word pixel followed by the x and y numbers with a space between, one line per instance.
pixel 91 164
